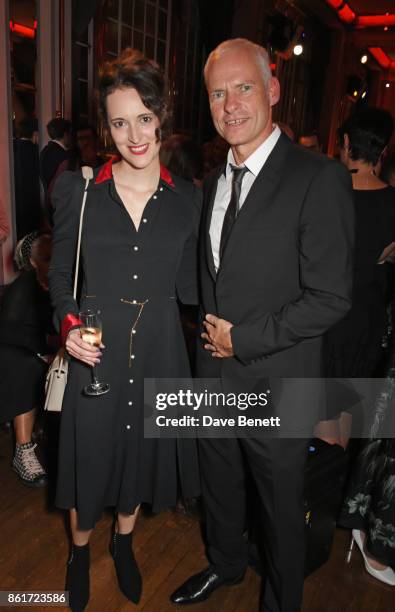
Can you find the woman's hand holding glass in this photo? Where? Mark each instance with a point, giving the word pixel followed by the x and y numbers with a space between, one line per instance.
pixel 82 350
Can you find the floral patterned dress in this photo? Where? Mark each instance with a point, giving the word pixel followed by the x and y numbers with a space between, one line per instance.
pixel 369 504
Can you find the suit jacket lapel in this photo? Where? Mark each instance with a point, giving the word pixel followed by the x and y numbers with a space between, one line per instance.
pixel 260 193
pixel 210 198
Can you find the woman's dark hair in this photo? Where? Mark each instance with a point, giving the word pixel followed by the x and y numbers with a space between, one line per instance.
pixel 369 131
pixel 182 156
pixel 133 69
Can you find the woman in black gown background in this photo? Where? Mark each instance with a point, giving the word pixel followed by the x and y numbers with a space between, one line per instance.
pixel 354 345
pixel 138 255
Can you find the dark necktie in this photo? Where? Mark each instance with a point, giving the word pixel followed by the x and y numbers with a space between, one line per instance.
pixel 233 206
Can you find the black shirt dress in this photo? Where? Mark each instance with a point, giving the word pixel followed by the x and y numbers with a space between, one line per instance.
pixel 134 278
pixel 25 323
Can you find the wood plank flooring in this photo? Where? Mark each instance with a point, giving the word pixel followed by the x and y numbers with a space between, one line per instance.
pixel 34 550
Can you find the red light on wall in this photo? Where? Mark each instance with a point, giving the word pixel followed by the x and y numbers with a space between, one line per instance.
pixel 272 67
pixel 22 30
pixel 375 21
pixel 336 4
pixel 382 58
pixel 346 14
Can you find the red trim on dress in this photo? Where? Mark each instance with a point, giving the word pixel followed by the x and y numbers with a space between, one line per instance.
pixel 166 176
pixel 67 325
pixel 105 173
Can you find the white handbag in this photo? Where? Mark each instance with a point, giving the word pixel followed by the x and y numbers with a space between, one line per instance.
pixel 56 379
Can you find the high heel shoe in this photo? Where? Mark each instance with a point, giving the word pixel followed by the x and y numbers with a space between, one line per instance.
pixel 386 575
pixel 128 573
pixel 77 577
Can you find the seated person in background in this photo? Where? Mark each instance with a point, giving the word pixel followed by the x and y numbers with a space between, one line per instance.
pixel 25 321
pixel 87 143
pixel 183 157
pixel 310 141
pixel 57 149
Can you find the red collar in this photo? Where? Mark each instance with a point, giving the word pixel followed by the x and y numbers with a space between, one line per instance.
pixel 105 173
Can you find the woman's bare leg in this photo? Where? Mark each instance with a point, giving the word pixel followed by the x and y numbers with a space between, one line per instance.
pixel 23 426
pixel 126 522
pixel 80 537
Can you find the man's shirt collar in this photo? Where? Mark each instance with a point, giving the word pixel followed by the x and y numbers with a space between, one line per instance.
pixel 256 160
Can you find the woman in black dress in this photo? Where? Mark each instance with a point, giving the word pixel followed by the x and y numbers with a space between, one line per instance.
pixel 138 255
pixel 25 323
pixel 353 347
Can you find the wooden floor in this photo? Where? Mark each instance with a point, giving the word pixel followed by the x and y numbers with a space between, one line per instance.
pixel 34 549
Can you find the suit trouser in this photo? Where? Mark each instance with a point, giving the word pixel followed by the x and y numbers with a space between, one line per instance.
pixel 277 467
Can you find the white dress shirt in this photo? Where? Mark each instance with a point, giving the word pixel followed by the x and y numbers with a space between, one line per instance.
pixel 254 163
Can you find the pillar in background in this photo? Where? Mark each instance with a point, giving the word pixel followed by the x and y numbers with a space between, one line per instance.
pixel 54 43
pixel 7 272
pixel 333 91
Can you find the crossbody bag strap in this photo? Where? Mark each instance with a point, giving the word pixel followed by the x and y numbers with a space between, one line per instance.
pixel 87 173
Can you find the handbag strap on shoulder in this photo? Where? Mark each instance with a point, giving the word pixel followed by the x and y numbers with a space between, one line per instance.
pixel 87 173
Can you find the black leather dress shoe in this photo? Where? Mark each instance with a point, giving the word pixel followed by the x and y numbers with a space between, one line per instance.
pixel 200 586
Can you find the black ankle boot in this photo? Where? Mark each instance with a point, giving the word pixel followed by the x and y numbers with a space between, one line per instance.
pixel 77 577
pixel 128 574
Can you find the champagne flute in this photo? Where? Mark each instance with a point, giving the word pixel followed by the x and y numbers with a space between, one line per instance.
pixel 91 332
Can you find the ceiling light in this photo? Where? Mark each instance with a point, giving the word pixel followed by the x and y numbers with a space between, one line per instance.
pixel 364 59
pixel 298 49
pixel 388 85
pixel 355 93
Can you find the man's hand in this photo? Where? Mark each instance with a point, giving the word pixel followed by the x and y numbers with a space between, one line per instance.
pixel 388 255
pixel 218 337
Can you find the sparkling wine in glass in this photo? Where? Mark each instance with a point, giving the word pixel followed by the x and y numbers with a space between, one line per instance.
pixel 91 332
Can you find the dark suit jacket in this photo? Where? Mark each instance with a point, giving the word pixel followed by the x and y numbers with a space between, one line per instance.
pixel 27 187
pixel 286 273
pixel 51 157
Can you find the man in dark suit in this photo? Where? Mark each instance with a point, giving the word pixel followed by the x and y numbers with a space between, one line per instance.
pixel 57 149
pixel 27 181
pixel 276 266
